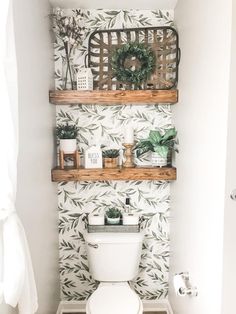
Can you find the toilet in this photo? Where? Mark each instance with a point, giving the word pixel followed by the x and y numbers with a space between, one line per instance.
pixel 113 261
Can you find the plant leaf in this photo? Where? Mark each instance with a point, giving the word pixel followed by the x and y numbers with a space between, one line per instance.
pixel 161 150
pixel 169 135
pixel 155 137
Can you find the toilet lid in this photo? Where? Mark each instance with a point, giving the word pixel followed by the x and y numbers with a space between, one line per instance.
pixel 115 300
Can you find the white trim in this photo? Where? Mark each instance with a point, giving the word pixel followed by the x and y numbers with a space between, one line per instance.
pixel 72 306
pixel 159 305
pixel 169 310
pixel 79 306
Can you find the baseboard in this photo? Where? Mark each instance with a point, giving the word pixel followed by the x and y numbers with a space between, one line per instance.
pixel 79 306
pixel 159 305
pixel 72 306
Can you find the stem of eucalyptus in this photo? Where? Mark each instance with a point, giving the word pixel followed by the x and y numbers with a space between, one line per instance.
pixel 68 67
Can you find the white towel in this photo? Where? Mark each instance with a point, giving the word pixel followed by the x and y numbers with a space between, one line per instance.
pixel 17 284
pixel 18 278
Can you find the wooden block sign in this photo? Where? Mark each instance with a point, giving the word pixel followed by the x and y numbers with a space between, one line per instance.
pixel 93 157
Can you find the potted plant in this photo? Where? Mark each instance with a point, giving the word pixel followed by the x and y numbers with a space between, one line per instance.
pixel 67 134
pixel 113 216
pixel 110 157
pixel 159 145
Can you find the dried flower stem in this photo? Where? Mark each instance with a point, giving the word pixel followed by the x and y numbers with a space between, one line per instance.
pixel 68 53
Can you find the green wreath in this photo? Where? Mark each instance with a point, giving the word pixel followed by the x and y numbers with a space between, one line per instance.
pixel 142 53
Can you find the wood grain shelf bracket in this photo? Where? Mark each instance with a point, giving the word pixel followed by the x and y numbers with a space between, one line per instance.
pixel 113 97
pixel 137 173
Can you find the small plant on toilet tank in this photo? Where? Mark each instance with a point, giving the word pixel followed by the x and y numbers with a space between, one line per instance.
pixel 113 216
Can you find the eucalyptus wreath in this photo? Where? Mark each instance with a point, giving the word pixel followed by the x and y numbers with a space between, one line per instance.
pixel 142 53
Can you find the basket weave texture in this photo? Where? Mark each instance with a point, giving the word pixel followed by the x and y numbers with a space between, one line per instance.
pixel 162 40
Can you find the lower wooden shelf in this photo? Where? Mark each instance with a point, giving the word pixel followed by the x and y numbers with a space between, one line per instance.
pixel 137 173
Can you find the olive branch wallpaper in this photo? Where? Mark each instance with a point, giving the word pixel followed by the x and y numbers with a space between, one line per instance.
pixel 106 125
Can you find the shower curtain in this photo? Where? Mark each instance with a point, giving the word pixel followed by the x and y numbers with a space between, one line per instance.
pixel 17 284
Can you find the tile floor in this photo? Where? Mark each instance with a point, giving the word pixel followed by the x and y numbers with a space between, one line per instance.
pixel 143 313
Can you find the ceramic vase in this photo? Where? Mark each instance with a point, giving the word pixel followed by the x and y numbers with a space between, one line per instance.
pixel 68 146
pixel 113 221
pixel 157 160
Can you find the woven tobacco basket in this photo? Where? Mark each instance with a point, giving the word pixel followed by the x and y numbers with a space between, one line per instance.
pixel 162 40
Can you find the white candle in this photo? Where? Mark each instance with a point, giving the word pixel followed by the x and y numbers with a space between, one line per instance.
pixel 129 135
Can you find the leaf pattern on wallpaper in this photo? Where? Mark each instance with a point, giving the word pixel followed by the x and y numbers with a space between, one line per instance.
pixel 152 281
pixel 106 124
pixel 106 19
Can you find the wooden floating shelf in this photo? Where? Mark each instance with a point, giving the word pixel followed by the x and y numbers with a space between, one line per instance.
pixel 137 173
pixel 113 97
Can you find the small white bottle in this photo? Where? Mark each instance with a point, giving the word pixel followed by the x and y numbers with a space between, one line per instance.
pixel 127 206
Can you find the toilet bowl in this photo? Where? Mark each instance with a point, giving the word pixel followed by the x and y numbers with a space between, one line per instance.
pixel 114 298
pixel 114 261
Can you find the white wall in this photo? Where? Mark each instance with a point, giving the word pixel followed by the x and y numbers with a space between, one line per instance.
pixel 37 197
pixel 230 205
pixel 201 118
pixel 113 4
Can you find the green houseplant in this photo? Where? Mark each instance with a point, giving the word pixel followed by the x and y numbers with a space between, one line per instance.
pixel 159 145
pixel 67 134
pixel 113 216
pixel 110 157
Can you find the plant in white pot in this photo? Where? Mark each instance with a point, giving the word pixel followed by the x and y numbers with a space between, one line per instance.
pixel 159 145
pixel 113 216
pixel 67 134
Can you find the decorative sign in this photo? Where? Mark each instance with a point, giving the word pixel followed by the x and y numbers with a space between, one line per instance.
pixel 93 157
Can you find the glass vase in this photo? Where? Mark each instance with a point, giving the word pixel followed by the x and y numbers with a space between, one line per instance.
pixel 68 74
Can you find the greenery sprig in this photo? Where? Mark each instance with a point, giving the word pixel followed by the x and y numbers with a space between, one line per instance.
pixel 113 213
pixel 69 31
pixel 142 53
pixel 66 131
pixel 110 153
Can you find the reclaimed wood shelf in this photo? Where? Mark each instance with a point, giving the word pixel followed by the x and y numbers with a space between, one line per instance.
pixel 113 97
pixel 137 173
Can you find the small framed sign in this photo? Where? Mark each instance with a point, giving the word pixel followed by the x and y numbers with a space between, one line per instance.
pixel 93 157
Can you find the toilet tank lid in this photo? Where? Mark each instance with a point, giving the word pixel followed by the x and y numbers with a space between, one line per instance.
pixel 110 237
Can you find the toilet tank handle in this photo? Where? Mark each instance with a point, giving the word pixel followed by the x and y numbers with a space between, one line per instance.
pixel 95 246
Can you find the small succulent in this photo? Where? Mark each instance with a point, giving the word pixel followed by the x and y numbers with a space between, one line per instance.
pixel 66 131
pixel 113 213
pixel 110 153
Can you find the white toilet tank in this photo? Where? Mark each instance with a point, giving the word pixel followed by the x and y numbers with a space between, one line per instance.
pixel 114 256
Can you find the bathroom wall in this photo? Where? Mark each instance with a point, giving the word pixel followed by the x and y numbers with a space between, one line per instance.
pixel 229 273
pixel 36 196
pixel 201 118
pixel 149 198
pixel 112 4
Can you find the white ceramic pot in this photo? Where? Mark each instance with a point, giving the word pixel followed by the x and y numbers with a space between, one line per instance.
pixel 113 221
pixel 96 219
pixel 157 160
pixel 68 146
pixel 130 219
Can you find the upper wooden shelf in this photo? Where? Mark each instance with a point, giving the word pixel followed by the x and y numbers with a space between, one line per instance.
pixel 113 97
pixel 137 173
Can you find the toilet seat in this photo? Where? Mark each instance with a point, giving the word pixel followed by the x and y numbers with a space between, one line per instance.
pixel 115 298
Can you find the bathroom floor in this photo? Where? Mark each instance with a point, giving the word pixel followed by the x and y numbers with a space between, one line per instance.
pixel 157 312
